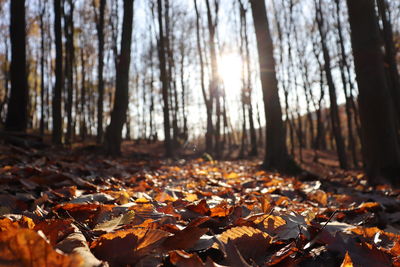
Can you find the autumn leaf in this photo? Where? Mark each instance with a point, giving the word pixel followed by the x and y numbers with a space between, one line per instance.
pixel 250 243
pixel 25 247
pixel 183 259
pixel 347 262
pixel 184 239
pixel 55 230
pixel 115 223
pixel 127 246
pixel 295 225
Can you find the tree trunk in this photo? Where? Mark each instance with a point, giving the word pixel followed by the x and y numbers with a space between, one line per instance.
pixel 253 135
pixel 214 90
pixel 334 110
pixel 164 81
pixel 276 156
pixel 390 56
pixel 69 60
pixel 100 67
pixel 42 61
pixel 183 92
pixel 118 115
pixel 83 129
pixel 380 144
pixel 347 93
pixel 6 74
pixel 17 114
pixel 208 100
pixel 58 87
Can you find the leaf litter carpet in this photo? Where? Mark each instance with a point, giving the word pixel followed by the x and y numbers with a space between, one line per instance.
pixel 63 208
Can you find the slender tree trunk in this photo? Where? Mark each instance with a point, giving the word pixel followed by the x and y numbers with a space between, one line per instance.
pixel 289 122
pixel 83 129
pixel 183 92
pixel 69 60
pixel 164 81
pixel 100 67
pixel 214 86
pixel 118 114
pixel 380 144
pixel 390 56
pixel 6 73
pixel 276 156
pixel 208 100
pixel 342 64
pixel 152 131
pixel 57 119
pixel 253 135
pixel 17 114
pixel 306 85
pixel 260 128
pixel 243 143
pixel 42 61
pixel 335 119
pixel 320 139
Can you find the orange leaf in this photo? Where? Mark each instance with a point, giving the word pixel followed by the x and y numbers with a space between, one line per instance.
pixel 7 225
pixel 25 247
pixel 128 246
pixel 237 232
pixel 55 230
pixel 246 242
pixel 347 262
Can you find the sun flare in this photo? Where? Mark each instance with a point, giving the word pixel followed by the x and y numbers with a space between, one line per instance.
pixel 230 71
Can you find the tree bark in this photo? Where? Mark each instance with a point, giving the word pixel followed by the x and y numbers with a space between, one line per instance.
pixel 276 156
pixel 245 37
pixel 69 62
pixel 164 81
pixel 390 56
pixel 118 115
pixel 334 109
pixel 42 62
pixel 100 67
pixel 17 114
pixel 380 144
pixel 214 86
pixel 347 93
pixel 83 128
pixel 208 100
pixel 58 87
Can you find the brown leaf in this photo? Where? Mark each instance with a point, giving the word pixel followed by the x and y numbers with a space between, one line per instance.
pixel 86 213
pixel 295 224
pixel 182 259
pixel 284 256
pixel 25 247
pixel 250 242
pixel 361 253
pixel 128 246
pixel 201 208
pixel 55 230
pixel 184 239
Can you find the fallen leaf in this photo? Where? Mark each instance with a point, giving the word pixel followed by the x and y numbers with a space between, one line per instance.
pixel 25 247
pixel 347 262
pixel 127 246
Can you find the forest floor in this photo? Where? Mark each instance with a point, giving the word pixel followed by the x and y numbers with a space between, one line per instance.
pixel 76 207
